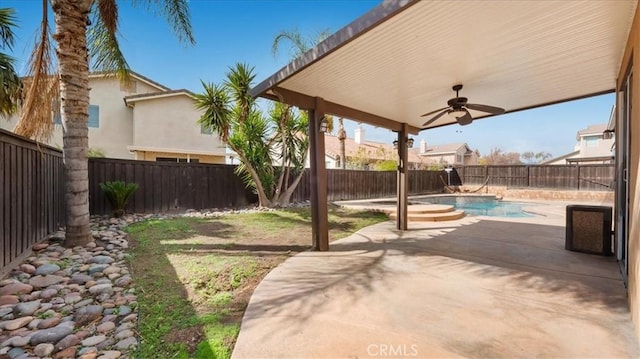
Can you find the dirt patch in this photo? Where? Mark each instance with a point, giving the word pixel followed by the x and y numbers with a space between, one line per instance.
pixel 188 336
pixel 197 275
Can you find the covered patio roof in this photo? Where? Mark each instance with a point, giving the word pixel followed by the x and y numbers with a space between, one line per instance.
pixel 401 59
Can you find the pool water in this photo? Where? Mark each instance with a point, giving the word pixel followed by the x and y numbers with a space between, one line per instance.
pixel 481 205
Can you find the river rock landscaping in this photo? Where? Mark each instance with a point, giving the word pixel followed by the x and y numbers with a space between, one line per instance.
pixel 194 274
pixel 77 302
pixel 71 302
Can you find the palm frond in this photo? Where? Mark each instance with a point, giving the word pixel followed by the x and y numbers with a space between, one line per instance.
pixel 10 84
pixel 322 35
pixel 40 87
pixel 299 44
pixel 177 14
pixel 104 49
pixel 239 81
pixel 7 24
pixel 10 87
pixel 249 140
pixel 215 103
pixel 108 12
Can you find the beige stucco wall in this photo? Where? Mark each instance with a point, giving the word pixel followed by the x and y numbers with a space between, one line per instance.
pixel 171 123
pixel 8 123
pixel 162 124
pixel 115 131
pixel 633 46
pixel 603 148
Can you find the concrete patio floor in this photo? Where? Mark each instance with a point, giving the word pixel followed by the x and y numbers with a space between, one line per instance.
pixel 477 287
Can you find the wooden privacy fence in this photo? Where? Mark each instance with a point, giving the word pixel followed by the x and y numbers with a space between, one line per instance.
pixel 353 184
pixel 32 193
pixel 32 188
pixel 597 177
pixel 168 186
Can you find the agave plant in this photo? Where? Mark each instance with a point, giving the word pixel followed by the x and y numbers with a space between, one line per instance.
pixel 118 194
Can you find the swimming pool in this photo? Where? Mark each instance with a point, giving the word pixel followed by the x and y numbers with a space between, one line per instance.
pixel 479 205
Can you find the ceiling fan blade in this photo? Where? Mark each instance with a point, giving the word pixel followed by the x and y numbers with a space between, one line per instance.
pixel 432 112
pixel 465 119
pixel 444 112
pixel 485 108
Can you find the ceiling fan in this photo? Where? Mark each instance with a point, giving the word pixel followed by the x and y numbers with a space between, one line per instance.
pixel 460 108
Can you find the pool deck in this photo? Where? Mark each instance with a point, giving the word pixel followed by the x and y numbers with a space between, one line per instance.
pixel 476 287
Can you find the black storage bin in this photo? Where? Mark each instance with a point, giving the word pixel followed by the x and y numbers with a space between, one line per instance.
pixel 589 229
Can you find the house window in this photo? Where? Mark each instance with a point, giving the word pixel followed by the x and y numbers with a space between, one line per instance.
pixel 94 117
pixel 591 141
pixel 170 159
pixel 459 158
pixel 180 160
pixel 205 130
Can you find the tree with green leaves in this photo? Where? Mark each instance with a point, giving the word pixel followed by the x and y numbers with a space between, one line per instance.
pixel 84 30
pixel 342 136
pixel 10 88
pixel 272 149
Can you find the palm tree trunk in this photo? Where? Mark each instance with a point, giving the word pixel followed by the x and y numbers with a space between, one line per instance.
pixel 71 17
pixel 342 135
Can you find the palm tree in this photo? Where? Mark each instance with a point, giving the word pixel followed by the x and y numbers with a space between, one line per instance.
pixel 71 81
pixel 11 85
pixel 299 45
pixel 231 112
pixel 342 136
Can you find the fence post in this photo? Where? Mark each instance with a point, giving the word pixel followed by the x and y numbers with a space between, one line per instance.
pixel 528 176
pixel 485 174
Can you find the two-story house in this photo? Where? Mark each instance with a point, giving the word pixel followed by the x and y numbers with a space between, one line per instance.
pixel 143 120
pixel 362 154
pixel 449 154
pixel 592 147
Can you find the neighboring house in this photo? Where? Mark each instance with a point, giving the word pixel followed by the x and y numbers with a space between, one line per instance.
pixel 592 148
pixel 360 153
pixel 363 154
pixel 144 120
pixel 451 154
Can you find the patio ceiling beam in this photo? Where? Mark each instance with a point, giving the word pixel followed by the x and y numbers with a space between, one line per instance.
pixel 307 102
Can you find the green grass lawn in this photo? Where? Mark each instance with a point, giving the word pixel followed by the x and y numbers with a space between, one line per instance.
pixel 195 276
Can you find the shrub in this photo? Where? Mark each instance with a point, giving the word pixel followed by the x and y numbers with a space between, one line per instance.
pixel 118 194
pixel 95 153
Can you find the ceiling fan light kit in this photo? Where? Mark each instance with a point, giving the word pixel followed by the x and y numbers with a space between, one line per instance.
pixel 459 107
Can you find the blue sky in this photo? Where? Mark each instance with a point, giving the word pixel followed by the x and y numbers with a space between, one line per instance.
pixel 230 31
